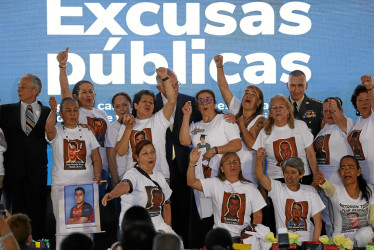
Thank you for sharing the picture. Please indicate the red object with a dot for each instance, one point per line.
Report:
(330, 247)
(275, 246)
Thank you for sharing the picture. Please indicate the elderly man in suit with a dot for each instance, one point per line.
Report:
(177, 157)
(25, 161)
(306, 109)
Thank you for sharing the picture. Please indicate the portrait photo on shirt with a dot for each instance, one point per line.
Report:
(74, 154)
(233, 208)
(354, 216)
(155, 200)
(79, 202)
(99, 128)
(354, 142)
(139, 135)
(321, 146)
(296, 215)
(284, 149)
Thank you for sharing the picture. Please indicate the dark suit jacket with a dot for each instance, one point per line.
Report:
(172, 137)
(26, 156)
(310, 112)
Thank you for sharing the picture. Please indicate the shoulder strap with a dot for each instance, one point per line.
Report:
(148, 177)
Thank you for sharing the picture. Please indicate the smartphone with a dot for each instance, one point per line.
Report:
(2, 210)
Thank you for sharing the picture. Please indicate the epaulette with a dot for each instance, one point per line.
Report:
(315, 100)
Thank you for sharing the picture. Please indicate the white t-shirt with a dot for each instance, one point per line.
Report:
(206, 135)
(3, 147)
(66, 171)
(143, 194)
(247, 157)
(283, 143)
(331, 145)
(305, 202)
(243, 199)
(89, 117)
(346, 209)
(112, 140)
(361, 143)
(152, 129)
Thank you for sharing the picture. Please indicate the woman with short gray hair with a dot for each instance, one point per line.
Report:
(294, 203)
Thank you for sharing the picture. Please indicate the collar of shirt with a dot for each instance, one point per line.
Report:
(299, 102)
(35, 109)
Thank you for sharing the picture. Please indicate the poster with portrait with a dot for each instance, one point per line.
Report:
(354, 142)
(74, 154)
(139, 135)
(233, 208)
(354, 216)
(156, 199)
(79, 208)
(284, 149)
(321, 146)
(99, 128)
(296, 215)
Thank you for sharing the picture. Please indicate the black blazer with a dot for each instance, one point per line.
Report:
(172, 137)
(26, 156)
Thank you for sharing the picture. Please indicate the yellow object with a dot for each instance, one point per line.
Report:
(338, 239)
(242, 246)
(270, 238)
(324, 239)
(37, 244)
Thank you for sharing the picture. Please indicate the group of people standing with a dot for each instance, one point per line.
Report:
(305, 160)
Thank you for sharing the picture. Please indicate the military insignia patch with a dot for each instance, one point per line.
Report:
(309, 114)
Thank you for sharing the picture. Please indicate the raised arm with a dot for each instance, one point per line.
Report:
(50, 128)
(97, 164)
(249, 137)
(222, 82)
(171, 95)
(367, 82)
(62, 59)
(260, 169)
(184, 133)
(338, 115)
(324, 184)
(192, 181)
(122, 146)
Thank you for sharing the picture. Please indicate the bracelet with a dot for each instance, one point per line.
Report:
(369, 89)
(219, 66)
(216, 149)
(165, 78)
(192, 166)
(6, 236)
(61, 67)
(96, 175)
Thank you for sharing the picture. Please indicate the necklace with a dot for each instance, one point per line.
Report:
(79, 130)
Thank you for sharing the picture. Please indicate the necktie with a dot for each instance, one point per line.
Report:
(295, 111)
(30, 122)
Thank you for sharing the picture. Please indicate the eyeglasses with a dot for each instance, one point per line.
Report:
(207, 101)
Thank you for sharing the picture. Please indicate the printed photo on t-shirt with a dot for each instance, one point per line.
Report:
(136, 136)
(284, 149)
(233, 208)
(99, 127)
(354, 142)
(296, 215)
(74, 154)
(354, 216)
(155, 200)
(321, 146)
(79, 204)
